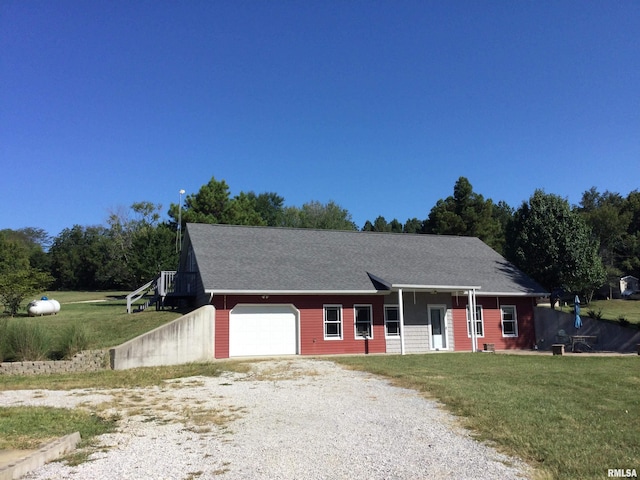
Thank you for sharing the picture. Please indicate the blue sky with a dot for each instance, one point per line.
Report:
(377, 105)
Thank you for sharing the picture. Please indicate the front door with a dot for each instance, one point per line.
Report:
(438, 327)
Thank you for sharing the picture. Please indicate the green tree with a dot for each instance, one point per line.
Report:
(270, 207)
(36, 240)
(314, 214)
(137, 247)
(77, 256)
(413, 225)
(466, 214)
(554, 245)
(630, 263)
(380, 224)
(213, 204)
(18, 279)
(609, 221)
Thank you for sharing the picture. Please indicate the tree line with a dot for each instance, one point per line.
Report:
(576, 248)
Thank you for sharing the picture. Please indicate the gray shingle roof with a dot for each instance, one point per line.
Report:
(262, 259)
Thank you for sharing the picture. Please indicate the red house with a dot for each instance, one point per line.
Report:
(282, 291)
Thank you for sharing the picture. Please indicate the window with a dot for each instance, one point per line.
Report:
(363, 321)
(509, 321)
(333, 322)
(479, 322)
(391, 321)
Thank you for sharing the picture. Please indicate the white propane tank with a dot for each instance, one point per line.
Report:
(43, 307)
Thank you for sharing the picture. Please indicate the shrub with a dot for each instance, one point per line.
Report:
(596, 315)
(74, 339)
(27, 342)
(623, 321)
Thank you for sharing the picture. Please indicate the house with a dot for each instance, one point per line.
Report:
(629, 285)
(279, 291)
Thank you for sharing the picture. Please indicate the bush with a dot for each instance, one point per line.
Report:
(27, 342)
(74, 339)
(596, 315)
(623, 321)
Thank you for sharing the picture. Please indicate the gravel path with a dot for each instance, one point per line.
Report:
(286, 419)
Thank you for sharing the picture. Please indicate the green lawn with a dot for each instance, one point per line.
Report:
(612, 310)
(571, 417)
(106, 320)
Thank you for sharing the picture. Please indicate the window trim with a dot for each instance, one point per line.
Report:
(515, 321)
(481, 321)
(386, 320)
(355, 319)
(340, 322)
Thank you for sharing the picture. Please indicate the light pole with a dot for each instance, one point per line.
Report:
(179, 230)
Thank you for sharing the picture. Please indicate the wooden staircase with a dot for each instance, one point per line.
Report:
(154, 292)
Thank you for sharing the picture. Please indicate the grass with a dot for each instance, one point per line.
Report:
(106, 321)
(136, 377)
(612, 310)
(570, 417)
(27, 428)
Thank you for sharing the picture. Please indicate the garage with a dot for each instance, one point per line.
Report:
(263, 330)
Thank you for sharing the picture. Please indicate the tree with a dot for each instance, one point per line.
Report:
(36, 240)
(606, 216)
(631, 241)
(467, 214)
(413, 225)
(137, 247)
(314, 214)
(270, 207)
(18, 279)
(77, 256)
(213, 204)
(380, 224)
(554, 245)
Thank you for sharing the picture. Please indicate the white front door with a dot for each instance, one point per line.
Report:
(438, 324)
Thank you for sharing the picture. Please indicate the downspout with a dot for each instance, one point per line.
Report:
(401, 315)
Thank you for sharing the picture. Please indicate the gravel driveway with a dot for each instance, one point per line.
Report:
(286, 419)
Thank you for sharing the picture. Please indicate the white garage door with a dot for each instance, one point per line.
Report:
(263, 330)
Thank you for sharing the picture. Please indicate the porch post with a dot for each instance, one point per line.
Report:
(471, 294)
(401, 318)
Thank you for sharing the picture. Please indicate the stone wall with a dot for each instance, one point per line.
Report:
(87, 361)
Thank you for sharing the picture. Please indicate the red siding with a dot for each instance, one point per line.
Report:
(493, 323)
(311, 325)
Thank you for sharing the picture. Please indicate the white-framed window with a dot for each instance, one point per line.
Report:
(391, 321)
(363, 321)
(333, 322)
(479, 322)
(509, 321)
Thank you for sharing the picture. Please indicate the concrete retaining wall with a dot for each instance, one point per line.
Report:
(611, 337)
(87, 361)
(189, 338)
